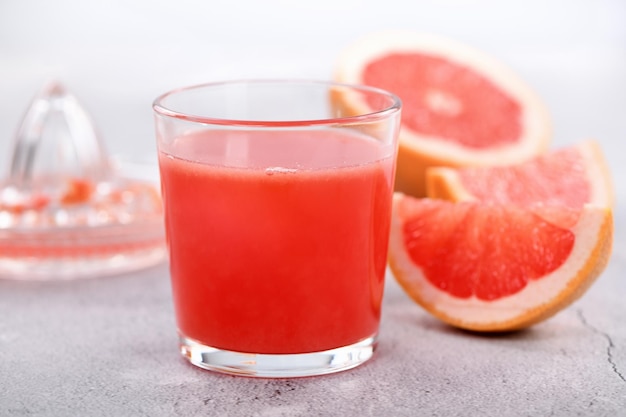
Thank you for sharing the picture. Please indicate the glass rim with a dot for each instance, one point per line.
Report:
(365, 116)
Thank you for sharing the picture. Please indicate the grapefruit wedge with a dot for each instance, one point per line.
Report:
(488, 267)
(461, 107)
(571, 176)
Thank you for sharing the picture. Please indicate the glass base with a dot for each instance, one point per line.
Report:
(278, 365)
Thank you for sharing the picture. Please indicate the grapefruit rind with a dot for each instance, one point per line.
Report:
(598, 174)
(538, 301)
(418, 151)
(446, 183)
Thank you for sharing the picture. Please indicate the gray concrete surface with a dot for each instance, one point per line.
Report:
(107, 347)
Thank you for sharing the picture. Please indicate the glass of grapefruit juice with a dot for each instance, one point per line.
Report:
(277, 210)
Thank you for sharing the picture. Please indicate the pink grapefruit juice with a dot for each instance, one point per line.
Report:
(278, 240)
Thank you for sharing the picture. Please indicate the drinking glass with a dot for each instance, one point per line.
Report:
(277, 198)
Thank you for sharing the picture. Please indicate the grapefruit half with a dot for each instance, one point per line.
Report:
(461, 107)
(572, 176)
(488, 267)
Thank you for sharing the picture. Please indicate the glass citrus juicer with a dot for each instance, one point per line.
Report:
(66, 210)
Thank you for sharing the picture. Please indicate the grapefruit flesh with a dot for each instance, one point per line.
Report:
(571, 176)
(461, 107)
(444, 101)
(489, 267)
